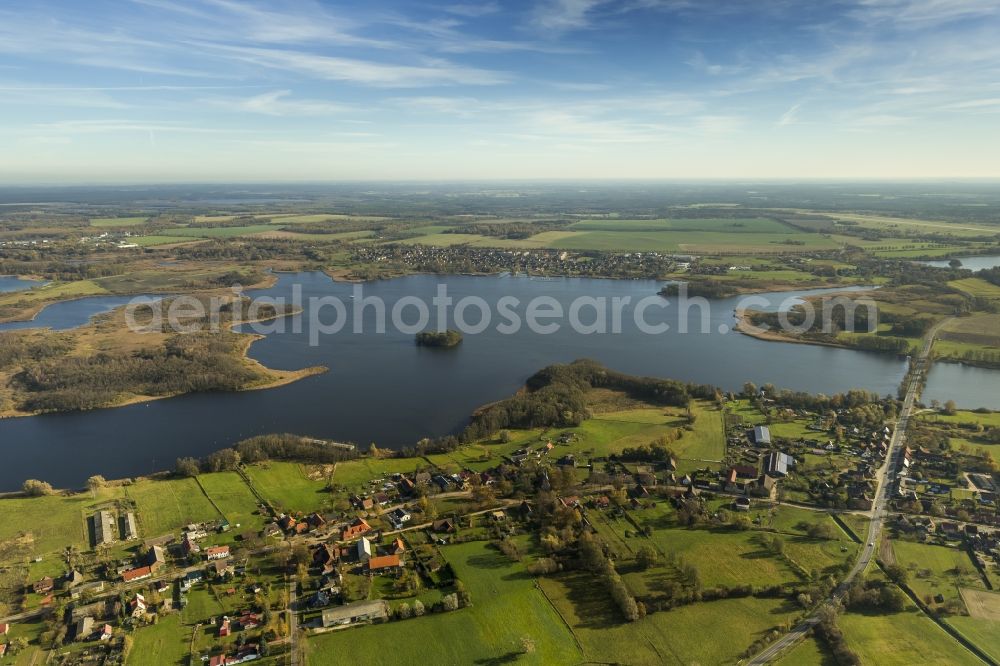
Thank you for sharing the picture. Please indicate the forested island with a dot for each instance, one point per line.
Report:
(445, 339)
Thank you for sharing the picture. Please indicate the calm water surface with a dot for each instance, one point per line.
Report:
(971, 263)
(381, 387)
(10, 283)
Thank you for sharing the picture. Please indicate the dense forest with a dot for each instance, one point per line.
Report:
(556, 397)
(184, 364)
(449, 338)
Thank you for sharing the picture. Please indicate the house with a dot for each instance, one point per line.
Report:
(359, 611)
(367, 503)
(287, 523)
(406, 486)
(191, 579)
(315, 520)
(249, 621)
(156, 558)
(364, 550)
(272, 530)
(217, 552)
(384, 564)
(188, 546)
(399, 516)
(84, 628)
(760, 435)
(43, 586)
(225, 628)
(4, 629)
(126, 524)
(397, 547)
(87, 588)
(106, 632)
(137, 606)
(222, 568)
(498, 516)
(355, 529)
(3, 649)
(444, 525)
(766, 486)
(133, 575)
(73, 579)
(778, 463)
(104, 528)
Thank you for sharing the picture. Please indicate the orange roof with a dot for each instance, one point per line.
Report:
(217, 550)
(383, 562)
(134, 574)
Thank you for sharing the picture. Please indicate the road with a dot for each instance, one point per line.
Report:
(885, 477)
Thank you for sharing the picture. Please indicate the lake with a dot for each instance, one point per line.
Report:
(64, 315)
(970, 387)
(10, 283)
(381, 387)
(970, 263)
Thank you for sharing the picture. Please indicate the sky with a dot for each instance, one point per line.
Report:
(122, 91)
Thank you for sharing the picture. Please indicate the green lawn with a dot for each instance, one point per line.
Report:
(165, 642)
(506, 608)
(164, 506)
(234, 498)
(286, 485)
(905, 638)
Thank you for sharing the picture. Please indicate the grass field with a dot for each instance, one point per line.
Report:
(936, 569)
(117, 221)
(987, 419)
(506, 608)
(984, 633)
(234, 499)
(755, 225)
(165, 642)
(154, 240)
(51, 523)
(54, 291)
(286, 485)
(163, 506)
(686, 635)
(218, 232)
(902, 638)
(355, 474)
(976, 287)
(808, 652)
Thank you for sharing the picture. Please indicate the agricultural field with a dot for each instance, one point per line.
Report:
(166, 505)
(984, 633)
(289, 486)
(218, 232)
(51, 523)
(356, 474)
(233, 498)
(166, 642)
(507, 608)
(976, 287)
(117, 221)
(904, 638)
(809, 652)
(159, 239)
(935, 570)
(680, 636)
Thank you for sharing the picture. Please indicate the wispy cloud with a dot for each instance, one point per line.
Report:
(790, 117)
(278, 103)
(368, 72)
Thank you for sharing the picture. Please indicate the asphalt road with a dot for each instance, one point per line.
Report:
(886, 475)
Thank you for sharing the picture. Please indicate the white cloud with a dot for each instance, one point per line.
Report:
(278, 103)
(790, 117)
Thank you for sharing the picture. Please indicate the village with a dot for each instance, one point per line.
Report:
(393, 540)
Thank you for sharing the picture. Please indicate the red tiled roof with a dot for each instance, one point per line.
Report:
(383, 562)
(135, 574)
